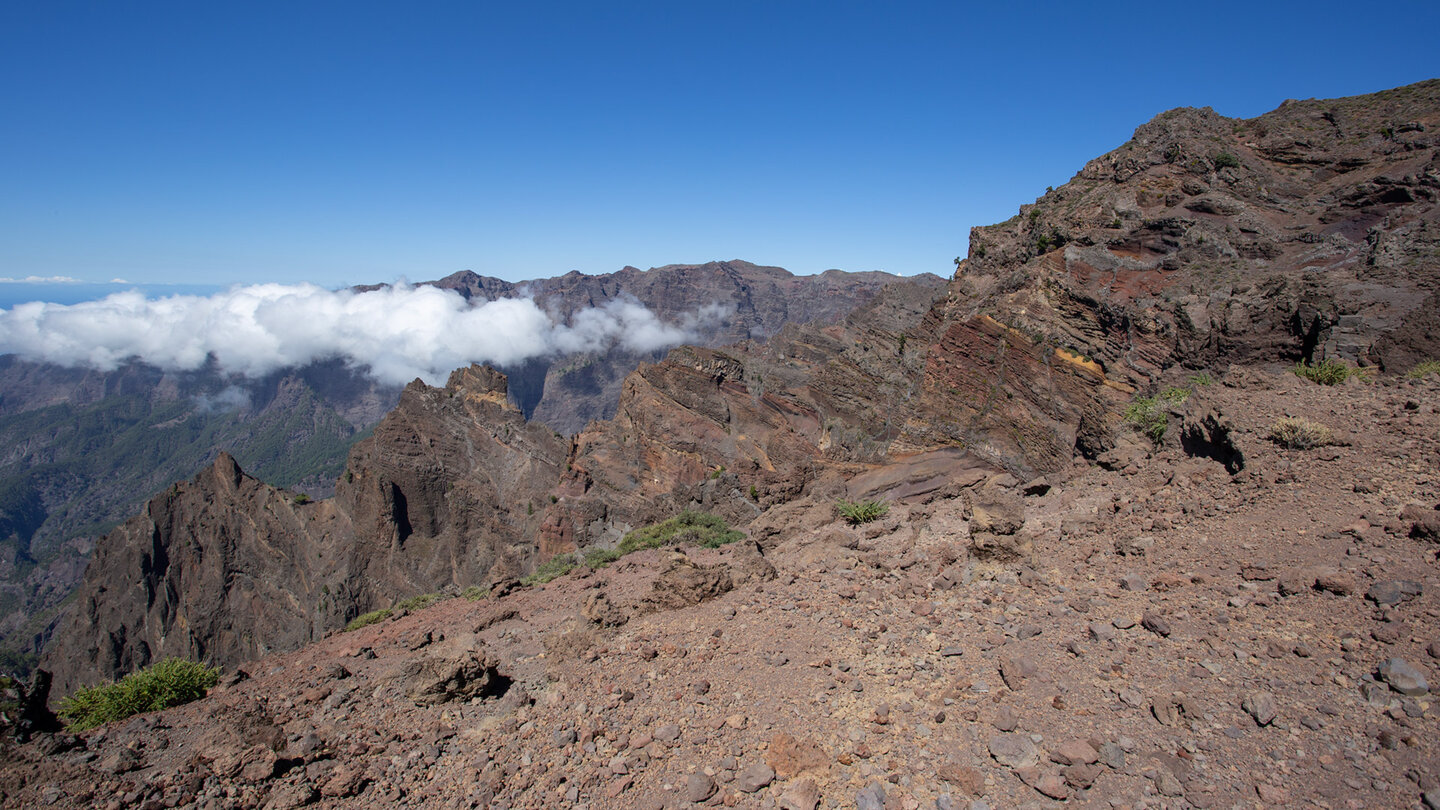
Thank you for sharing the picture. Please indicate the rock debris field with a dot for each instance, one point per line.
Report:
(1187, 625)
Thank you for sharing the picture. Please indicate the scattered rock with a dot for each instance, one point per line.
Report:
(1393, 592)
(433, 680)
(1014, 750)
(698, 787)
(870, 797)
(1261, 707)
(754, 777)
(1404, 677)
(790, 756)
(800, 794)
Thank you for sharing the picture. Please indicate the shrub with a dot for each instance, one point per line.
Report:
(1300, 434)
(1149, 415)
(475, 593)
(553, 568)
(1423, 369)
(169, 683)
(600, 557)
(1327, 372)
(421, 602)
(302, 499)
(857, 512)
(367, 619)
(700, 528)
(1226, 160)
(1201, 379)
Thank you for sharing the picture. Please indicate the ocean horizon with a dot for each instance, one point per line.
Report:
(15, 293)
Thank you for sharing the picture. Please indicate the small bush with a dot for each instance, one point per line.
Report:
(600, 557)
(1149, 415)
(302, 499)
(1300, 434)
(857, 512)
(475, 593)
(1225, 160)
(1201, 380)
(553, 568)
(367, 619)
(169, 683)
(421, 602)
(1423, 369)
(1327, 372)
(700, 528)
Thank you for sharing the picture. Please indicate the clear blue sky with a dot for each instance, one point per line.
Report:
(356, 141)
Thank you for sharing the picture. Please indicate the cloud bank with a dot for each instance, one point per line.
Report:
(398, 333)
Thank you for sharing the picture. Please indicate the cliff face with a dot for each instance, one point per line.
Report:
(1304, 234)
(226, 568)
(1308, 233)
(724, 303)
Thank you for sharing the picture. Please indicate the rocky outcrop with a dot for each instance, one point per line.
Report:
(226, 568)
(1304, 234)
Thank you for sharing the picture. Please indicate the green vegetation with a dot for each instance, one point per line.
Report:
(699, 528)
(367, 619)
(1150, 415)
(475, 593)
(420, 602)
(600, 557)
(1300, 434)
(1226, 160)
(1200, 380)
(1424, 369)
(1328, 371)
(169, 683)
(857, 512)
(302, 499)
(553, 568)
(696, 528)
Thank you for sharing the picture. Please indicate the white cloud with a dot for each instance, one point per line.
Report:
(41, 280)
(398, 332)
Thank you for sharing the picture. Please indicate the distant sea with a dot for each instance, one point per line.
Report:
(21, 293)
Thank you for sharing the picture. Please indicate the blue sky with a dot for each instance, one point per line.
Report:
(358, 141)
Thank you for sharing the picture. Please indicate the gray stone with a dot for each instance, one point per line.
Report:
(1261, 706)
(754, 777)
(871, 797)
(1167, 784)
(1404, 678)
(1113, 756)
(1014, 750)
(1134, 582)
(698, 787)
(1393, 592)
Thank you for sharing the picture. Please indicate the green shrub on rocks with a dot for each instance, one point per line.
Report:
(857, 512)
(169, 683)
(1328, 371)
(367, 619)
(1298, 433)
(1149, 415)
(700, 528)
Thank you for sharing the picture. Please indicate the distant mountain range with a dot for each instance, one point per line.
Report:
(83, 449)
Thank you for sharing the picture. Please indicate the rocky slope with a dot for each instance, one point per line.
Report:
(1175, 636)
